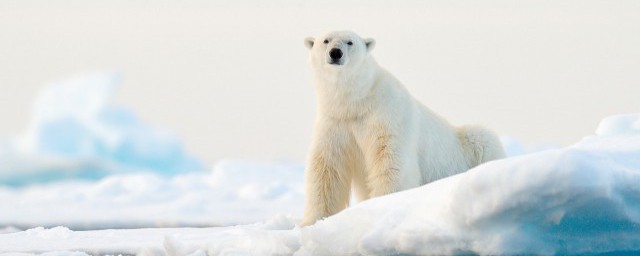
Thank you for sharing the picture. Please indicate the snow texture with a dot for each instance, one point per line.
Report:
(583, 199)
(622, 124)
(77, 131)
(232, 193)
(273, 237)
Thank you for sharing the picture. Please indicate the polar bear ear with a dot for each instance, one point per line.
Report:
(370, 43)
(308, 42)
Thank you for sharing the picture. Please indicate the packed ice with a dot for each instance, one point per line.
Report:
(78, 131)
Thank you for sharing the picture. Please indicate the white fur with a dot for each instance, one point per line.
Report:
(373, 137)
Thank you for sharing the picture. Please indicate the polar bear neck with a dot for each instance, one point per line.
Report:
(346, 94)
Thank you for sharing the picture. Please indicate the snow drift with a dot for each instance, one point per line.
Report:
(77, 131)
(580, 199)
(583, 199)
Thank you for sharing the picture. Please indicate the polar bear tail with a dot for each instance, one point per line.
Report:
(480, 144)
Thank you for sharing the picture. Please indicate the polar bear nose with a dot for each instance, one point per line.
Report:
(335, 53)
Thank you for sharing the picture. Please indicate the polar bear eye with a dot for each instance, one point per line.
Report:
(326, 41)
(350, 43)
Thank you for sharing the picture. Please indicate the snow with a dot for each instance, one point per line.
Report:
(77, 131)
(571, 200)
(619, 125)
(234, 192)
(276, 236)
(582, 199)
(90, 163)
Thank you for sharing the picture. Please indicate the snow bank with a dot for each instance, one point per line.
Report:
(77, 131)
(581, 199)
(233, 193)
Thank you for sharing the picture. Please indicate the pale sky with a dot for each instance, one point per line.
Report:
(232, 79)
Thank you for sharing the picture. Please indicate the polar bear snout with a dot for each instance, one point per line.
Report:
(335, 53)
(336, 56)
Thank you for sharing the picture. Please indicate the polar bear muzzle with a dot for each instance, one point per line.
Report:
(336, 56)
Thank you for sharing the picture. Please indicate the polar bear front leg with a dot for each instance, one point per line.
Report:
(384, 170)
(327, 177)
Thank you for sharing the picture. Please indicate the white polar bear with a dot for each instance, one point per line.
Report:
(371, 135)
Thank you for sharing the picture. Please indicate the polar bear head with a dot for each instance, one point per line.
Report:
(338, 50)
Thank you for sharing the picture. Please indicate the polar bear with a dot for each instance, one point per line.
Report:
(371, 136)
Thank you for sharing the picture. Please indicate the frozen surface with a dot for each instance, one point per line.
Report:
(577, 200)
(583, 199)
(232, 193)
(274, 237)
(622, 124)
(77, 131)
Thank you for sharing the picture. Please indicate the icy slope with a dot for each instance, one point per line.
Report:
(77, 131)
(581, 199)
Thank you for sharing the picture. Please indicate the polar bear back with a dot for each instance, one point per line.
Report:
(441, 152)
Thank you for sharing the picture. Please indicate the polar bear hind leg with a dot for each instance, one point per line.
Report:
(480, 144)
